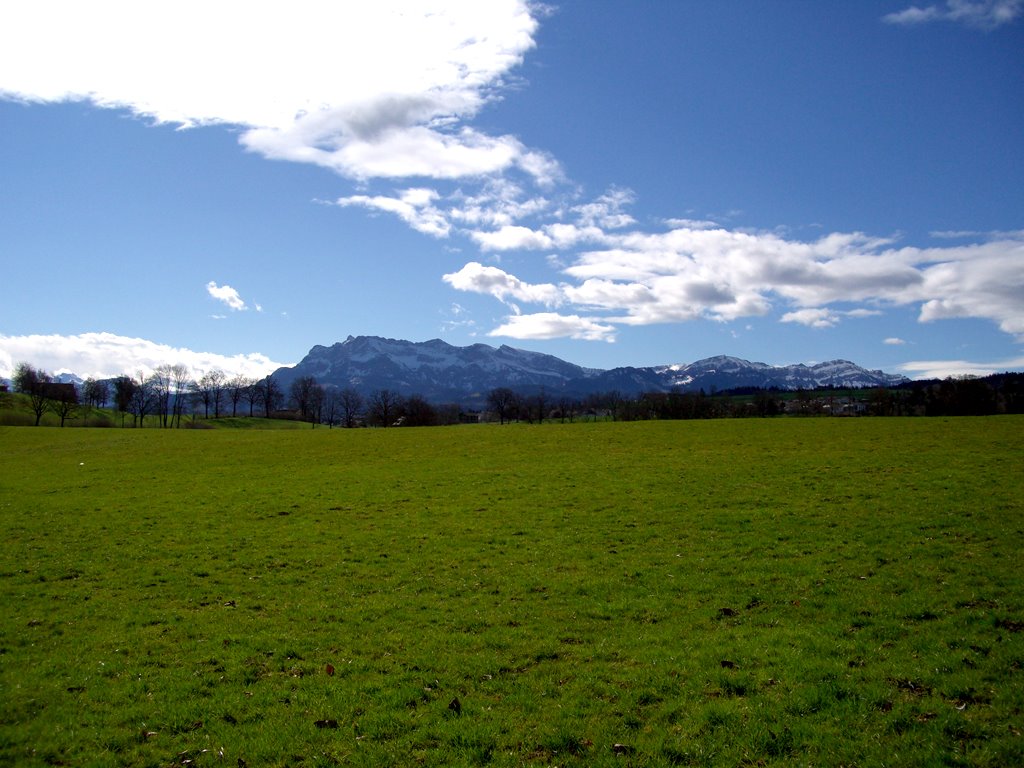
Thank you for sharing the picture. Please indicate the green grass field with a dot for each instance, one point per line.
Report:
(763, 592)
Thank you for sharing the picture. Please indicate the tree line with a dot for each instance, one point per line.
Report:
(170, 392)
(954, 396)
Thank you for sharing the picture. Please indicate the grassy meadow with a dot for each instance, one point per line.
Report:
(763, 592)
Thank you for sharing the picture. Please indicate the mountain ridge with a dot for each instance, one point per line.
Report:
(442, 372)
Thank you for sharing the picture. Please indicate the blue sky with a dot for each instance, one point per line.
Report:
(615, 183)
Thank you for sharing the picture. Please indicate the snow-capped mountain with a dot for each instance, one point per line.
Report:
(441, 372)
(434, 369)
(68, 378)
(723, 372)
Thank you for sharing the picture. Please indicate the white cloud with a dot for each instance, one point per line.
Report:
(550, 325)
(489, 216)
(403, 151)
(981, 14)
(457, 317)
(512, 237)
(413, 206)
(226, 294)
(724, 275)
(503, 204)
(686, 273)
(970, 234)
(499, 203)
(477, 278)
(691, 224)
(941, 369)
(570, 235)
(606, 212)
(103, 355)
(913, 15)
(380, 89)
(894, 341)
(606, 294)
(814, 318)
(983, 281)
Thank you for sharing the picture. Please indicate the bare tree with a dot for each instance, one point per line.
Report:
(210, 391)
(63, 400)
(181, 382)
(124, 388)
(384, 405)
(33, 382)
(217, 381)
(331, 407)
(25, 378)
(448, 414)
(307, 397)
(417, 412)
(566, 409)
(141, 402)
(160, 391)
(613, 401)
(269, 395)
(317, 405)
(504, 402)
(95, 393)
(251, 395)
(201, 394)
(351, 406)
(85, 403)
(535, 407)
(236, 391)
(540, 401)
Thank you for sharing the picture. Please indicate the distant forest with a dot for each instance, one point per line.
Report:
(169, 397)
(961, 396)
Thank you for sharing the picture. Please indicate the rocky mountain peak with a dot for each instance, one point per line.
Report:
(442, 372)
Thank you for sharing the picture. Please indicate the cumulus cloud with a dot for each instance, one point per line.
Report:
(691, 223)
(981, 280)
(498, 203)
(413, 206)
(824, 317)
(226, 294)
(941, 369)
(593, 220)
(606, 212)
(607, 294)
(570, 235)
(970, 234)
(104, 355)
(477, 278)
(815, 318)
(512, 237)
(380, 89)
(981, 14)
(894, 341)
(633, 277)
(550, 325)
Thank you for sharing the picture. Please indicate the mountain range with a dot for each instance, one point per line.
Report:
(443, 373)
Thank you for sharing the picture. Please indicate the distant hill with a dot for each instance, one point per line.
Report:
(442, 373)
